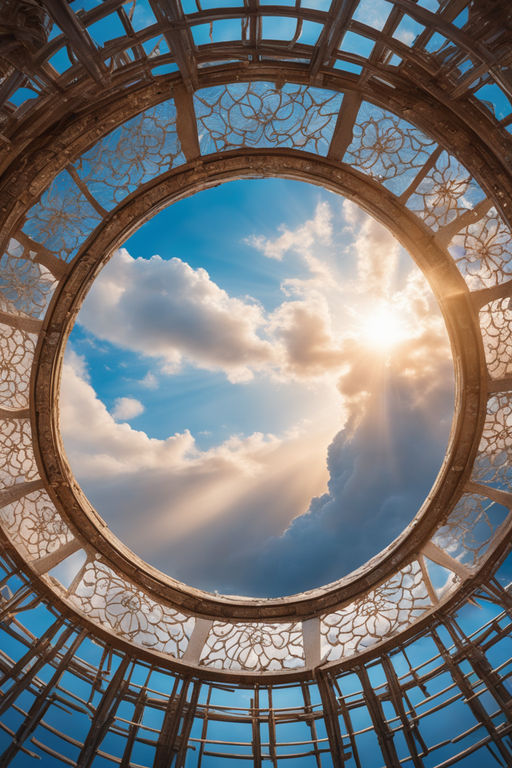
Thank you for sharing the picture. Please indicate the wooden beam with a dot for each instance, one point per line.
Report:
(79, 38)
(179, 38)
(330, 38)
(344, 128)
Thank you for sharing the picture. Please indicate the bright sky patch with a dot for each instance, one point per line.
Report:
(226, 405)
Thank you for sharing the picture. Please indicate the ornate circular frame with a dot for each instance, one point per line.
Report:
(453, 297)
(459, 133)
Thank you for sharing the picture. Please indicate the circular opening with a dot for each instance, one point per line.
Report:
(258, 403)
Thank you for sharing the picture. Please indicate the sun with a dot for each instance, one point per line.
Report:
(383, 327)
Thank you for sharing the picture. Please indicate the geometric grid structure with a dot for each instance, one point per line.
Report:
(111, 111)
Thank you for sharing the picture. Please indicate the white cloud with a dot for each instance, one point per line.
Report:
(126, 408)
(168, 310)
(220, 501)
(315, 234)
(149, 381)
(219, 516)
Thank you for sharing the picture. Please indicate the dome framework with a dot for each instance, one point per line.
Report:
(407, 660)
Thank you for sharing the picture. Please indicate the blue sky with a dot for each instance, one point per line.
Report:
(248, 391)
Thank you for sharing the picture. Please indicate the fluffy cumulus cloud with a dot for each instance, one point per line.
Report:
(268, 514)
(126, 408)
(202, 504)
(167, 309)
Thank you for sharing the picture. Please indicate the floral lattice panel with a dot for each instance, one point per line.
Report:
(25, 287)
(389, 608)
(446, 192)
(17, 460)
(493, 464)
(63, 218)
(254, 647)
(34, 525)
(119, 606)
(496, 323)
(387, 148)
(138, 151)
(470, 528)
(17, 349)
(260, 115)
(483, 251)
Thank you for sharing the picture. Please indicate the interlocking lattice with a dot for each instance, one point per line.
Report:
(251, 647)
(495, 322)
(33, 524)
(382, 612)
(388, 148)
(493, 462)
(483, 251)
(25, 287)
(446, 191)
(17, 461)
(16, 355)
(138, 151)
(62, 219)
(129, 612)
(470, 528)
(261, 115)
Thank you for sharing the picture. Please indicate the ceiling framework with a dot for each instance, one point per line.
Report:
(107, 115)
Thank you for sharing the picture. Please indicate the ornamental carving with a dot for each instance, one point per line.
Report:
(33, 524)
(387, 609)
(494, 459)
(495, 323)
(138, 151)
(387, 148)
(121, 607)
(16, 356)
(254, 647)
(261, 115)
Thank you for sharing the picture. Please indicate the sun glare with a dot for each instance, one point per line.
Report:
(383, 327)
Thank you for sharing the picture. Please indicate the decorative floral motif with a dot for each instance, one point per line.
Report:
(137, 151)
(447, 191)
(388, 148)
(261, 115)
(469, 529)
(483, 251)
(253, 647)
(25, 287)
(16, 356)
(34, 524)
(496, 324)
(129, 612)
(389, 608)
(17, 461)
(493, 464)
(62, 219)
